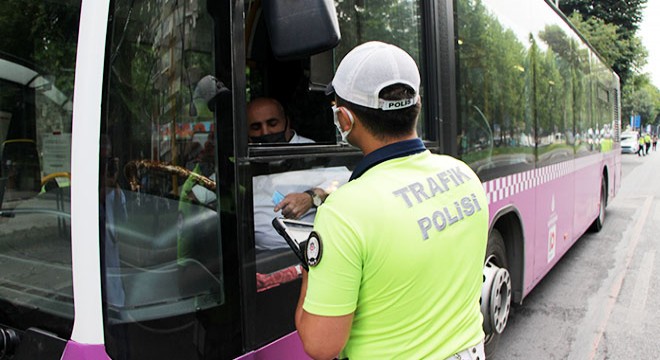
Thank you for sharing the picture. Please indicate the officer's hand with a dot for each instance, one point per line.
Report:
(294, 205)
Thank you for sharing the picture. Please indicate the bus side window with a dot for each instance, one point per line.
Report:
(289, 83)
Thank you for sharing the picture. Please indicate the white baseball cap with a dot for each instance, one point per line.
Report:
(369, 68)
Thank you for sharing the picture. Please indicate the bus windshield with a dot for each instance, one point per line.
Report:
(37, 61)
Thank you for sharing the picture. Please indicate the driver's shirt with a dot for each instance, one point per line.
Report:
(403, 246)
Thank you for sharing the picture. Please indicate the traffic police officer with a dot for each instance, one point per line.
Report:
(396, 255)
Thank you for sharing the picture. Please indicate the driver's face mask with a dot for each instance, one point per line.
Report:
(279, 137)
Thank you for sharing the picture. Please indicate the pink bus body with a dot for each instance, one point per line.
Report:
(132, 197)
(562, 195)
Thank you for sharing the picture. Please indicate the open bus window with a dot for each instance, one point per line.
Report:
(287, 82)
(283, 169)
(302, 114)
(282, 109)
(294, 91)
(272, 252)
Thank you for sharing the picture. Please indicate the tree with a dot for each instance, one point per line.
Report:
(641, 97)
(602, 36)
(597, 19)
(42, 37)
(610, 26)
(392, 22)
(626, 14)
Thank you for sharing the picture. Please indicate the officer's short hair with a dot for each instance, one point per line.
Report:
(387, 123)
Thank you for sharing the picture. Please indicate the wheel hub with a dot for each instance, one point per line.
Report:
(495, 298)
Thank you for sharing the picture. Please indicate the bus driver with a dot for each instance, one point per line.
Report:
(268, 123)
(295, 193)
(396, 256)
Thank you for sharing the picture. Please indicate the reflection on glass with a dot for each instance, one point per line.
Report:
(160, 208)
(37, 59)
(396, 22)
(532, 89)
(495, 88)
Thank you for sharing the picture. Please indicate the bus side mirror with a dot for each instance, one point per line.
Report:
(300, 28)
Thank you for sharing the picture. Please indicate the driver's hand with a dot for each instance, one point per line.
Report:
(294, 205)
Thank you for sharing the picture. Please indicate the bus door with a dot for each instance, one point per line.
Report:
(180, 279)
(167, 194)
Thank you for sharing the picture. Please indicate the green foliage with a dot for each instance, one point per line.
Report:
(42, 37)
(601, 36)
(623, 53)
(610, 26)
(527, 89)
(625, 14)
(394, 22)
(643, 98)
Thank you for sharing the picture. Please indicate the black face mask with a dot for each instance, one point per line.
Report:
(279, 137)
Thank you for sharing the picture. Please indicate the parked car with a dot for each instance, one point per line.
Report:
(629, 142)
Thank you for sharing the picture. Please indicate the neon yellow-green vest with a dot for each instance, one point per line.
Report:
(403, 249)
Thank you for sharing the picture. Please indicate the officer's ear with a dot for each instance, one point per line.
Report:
(346, 118)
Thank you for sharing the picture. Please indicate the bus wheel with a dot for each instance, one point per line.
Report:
(600, 219)
(495, 291)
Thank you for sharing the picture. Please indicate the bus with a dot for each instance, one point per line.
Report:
(133, 202)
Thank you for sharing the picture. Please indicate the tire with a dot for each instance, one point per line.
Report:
(496, 291)
(600, 219)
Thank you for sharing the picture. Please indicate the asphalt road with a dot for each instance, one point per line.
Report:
(601, 300)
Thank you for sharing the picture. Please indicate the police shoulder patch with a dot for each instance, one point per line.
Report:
(314, 249)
